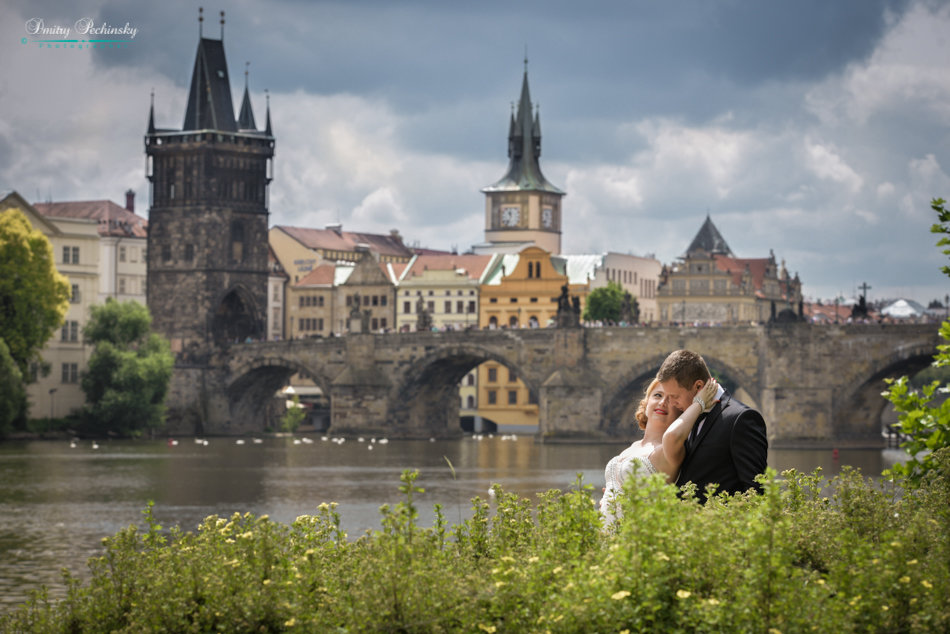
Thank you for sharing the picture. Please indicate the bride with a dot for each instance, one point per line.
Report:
(662, 448)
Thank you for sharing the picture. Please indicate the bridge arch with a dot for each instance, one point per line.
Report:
(250, 394)
(427, 397)
(859, 410)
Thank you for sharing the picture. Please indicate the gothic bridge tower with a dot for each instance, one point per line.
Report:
(207, 239)
(523, 207)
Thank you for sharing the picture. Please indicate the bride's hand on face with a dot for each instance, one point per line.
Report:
(706, 396)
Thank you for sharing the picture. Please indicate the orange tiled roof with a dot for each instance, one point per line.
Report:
(320, 276)
(113, 219)
(331, 240)
(473, 265)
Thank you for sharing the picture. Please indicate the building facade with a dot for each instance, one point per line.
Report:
(207, 243)
(123, 242)
(76, 249)
(639, 275)
(710, 285)
(445, 286)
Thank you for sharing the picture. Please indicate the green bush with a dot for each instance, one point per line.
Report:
(805, 555)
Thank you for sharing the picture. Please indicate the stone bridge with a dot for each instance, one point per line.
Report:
(815, 385)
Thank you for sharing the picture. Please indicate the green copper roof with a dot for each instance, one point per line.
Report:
(524, 149)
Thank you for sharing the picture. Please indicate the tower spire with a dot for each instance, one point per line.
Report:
(246, 117)
(267, 130)
(151, 114)
(201, 19)
(222, 25)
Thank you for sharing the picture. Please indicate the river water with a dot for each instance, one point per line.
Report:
(58, 501)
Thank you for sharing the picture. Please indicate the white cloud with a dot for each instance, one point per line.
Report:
(827, 164)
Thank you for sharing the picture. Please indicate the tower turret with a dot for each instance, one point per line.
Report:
(207, 243)
(523, 207)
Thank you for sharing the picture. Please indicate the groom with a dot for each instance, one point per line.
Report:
(728, 445)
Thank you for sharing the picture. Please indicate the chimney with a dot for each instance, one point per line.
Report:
(130, 200)
(336, 228)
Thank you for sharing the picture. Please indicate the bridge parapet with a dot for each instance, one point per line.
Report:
(813, 384)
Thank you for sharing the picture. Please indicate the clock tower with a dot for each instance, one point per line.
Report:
(523, 207)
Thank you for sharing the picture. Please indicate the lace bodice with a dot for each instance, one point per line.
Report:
(616, 473)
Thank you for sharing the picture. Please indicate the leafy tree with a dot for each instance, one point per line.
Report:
(12, 394)
(34, 296)
(604, 303)
(294, 416)
(129, 371)
(923, 417)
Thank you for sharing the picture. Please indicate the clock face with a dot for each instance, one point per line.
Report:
(547, 217)
(510, 216)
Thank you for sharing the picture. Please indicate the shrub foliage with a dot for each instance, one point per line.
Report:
(806, 555)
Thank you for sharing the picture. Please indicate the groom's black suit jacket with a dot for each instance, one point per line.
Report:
(730, 449)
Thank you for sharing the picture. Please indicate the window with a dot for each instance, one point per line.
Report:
(166, 253)
(471, 307)
(70, 373)
(134, 254)
(122, 285)
(189, 252)
(492, 397)
(512, 397)
(121, 254)
(406, 308)
(512, 376)
(470, 402)
(470, 379)
(375, 324)
(383, 300)
(492, 375)
(460, 307)
(75, 296)
(493, 300)
(375, 300)
(448, 307)
(70, 331)
(431, 307)
(70, 255)
(382, 323)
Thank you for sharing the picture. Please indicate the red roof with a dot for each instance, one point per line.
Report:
(113, 219)
(333, 240)
(320, 276)
(473, 265)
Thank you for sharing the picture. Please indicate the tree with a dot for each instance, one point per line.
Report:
(294, 416)
(604, 303)
(923, 417)
(34, 296)
(12, 394)
(129, 371)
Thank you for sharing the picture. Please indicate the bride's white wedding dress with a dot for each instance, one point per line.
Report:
(618, 470)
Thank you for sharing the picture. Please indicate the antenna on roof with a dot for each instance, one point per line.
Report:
(526, 58)
(247, 65)
(222, 26)
(201, 19)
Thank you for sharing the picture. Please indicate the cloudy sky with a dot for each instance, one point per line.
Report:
(819, 130)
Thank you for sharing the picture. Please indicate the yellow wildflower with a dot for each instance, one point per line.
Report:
(926, 584)
(486, 628)
(683, 594)
(904, 579)
(622, 594)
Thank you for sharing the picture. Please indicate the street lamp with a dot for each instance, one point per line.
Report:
(52, 391)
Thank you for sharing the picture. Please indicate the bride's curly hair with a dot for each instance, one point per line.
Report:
(641, 414)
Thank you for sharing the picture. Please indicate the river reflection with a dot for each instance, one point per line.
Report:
(58, 502)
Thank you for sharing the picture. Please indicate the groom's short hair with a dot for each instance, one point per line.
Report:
(685, 366)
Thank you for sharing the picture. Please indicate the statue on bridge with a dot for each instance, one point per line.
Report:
(629, 309)
(568, 310)
(423, 317)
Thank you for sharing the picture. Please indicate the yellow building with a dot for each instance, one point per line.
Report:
(709, 285)
(76, 251)
(522, 291)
